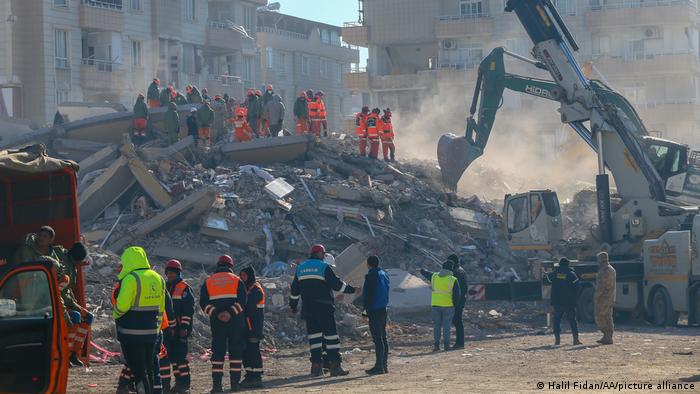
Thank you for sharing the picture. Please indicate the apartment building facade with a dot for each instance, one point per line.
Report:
(109, 50)
(646, 49)
(298, 54)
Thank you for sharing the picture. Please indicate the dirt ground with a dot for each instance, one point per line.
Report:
(511, 362)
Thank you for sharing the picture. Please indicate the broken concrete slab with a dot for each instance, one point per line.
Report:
(235, 237)
(187, 255)
(476, 222)
(76, 150)
(153, 154)
(340, 192)
(351, 266)
(98, 160)
(278, 188)
(267, 150)
(149, 183)
(408, 293)
(106, 189)
(178, 215)
(345, 211)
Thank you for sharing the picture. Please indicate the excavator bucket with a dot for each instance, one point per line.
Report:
(455, 154)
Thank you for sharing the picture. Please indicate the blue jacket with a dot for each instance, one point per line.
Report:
(314, 283)
(376, 290)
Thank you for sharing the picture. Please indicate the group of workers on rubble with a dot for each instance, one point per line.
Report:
(259, 115)
(371, 128)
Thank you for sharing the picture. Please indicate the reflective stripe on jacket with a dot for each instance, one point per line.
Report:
(442, 290)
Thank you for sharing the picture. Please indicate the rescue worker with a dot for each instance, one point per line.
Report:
(361, 129)
(165, 96)
(301, 112)
(445, 295)
(262, 126)
(254, 106)
(140, 117)
(604, 298)
(461, 276)
(58, 119)
(314, 283)
(183, 309)
(242, 131)
(138, 313)
(180, 98)
(322, 116)
(205, 95)
(153, 94)
(269, 93)
(193, 125)
(314, 117)
(375, 300)
(193, 95)
(386, 135)
(274, 114)
(565, 284)
(222, 298)
(172, 123)
(373, 127)
(255, 315)
(40, 247)
(205, 118)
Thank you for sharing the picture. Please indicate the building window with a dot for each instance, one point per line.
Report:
(335, 38)
(60, 3)
(61, 96)
(323, 65)
(636, 93)
(268, 57)
(634, 50)
(565, 7)
(136, 5)
(61, 48)
(281, 61)
(248, 15)
(601, 45)
(325, 36)
(136, 53)
(190, 8)
(471, 8)
(305, 65)
(338, 71)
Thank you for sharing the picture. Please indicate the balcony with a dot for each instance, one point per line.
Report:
(221, 35)
(648, 64)
(638, 13)
(355, 34)
(401, 82)
(220, 84)
(357, 80)
(296, 42)
(105, 15)
(463, 75)
(669, 111)
(101, 75)
(454, 26)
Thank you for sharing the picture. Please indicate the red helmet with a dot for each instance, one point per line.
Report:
(268, 87)
(174, 265)
(225, 260)
(258, 92)
(157, 81)
(318, 248)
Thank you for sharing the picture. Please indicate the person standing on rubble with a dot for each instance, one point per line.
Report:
(205, 118)
(446, 293)
(254, 112)
(565, 286)
(604, 298)
(183, 309)
(193, 95)
(321, 117)
(301, 112)
(193, 125)
(153, 94)
(166, 95)
(255, 316)
(373, 126)
(172, 123)
(375, 296)
(361, 129)
(461, 276)
(222, 298)
(386, 135)
(274, 114)
(138, 313)
(314, 283)
(140, 117)
(205, 95)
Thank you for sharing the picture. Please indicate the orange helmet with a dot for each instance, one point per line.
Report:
(268, 87)
(157, 81)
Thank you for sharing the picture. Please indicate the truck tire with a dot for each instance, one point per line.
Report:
(694, 308)
(661, 309)
(584, 305)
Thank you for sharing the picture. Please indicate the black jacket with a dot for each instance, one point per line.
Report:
(183, 303)
(456, 291)
(565, 285)
(301, 108)
(192, 126)
(255, 311)
(461, 276)
(314, 282)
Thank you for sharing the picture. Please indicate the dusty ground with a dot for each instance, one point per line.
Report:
(491, 363)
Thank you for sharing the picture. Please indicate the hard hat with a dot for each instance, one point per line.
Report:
(365, 109)
(140, 95)
(320, 93)
(157, 81)
(173, 265)
(376, 110)
(268, 87)
(302, 94)
(318, 248)
(217, 97)
(193, 109)
(205, 90)
(309, 92)
(225, 260)
(188, 88)
(258, 92)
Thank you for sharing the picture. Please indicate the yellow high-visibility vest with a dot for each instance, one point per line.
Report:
(442, 287)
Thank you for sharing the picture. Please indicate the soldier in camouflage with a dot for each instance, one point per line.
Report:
(604, 298)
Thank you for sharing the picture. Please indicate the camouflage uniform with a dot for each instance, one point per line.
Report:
(604, 298)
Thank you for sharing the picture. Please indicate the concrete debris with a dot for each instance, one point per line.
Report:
(269, 150)
(409, 294)
(97, 160)
(278, 189)
(106, 189)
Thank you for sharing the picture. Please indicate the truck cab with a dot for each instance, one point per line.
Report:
(35, 190)
(532, 220)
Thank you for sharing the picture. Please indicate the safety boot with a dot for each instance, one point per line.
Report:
(123, 390)
(606, 339)
(436, 348)
(557, 340)
(75, 361)
(337, 369)
(316, 369)
(252, 382)
(576, 341)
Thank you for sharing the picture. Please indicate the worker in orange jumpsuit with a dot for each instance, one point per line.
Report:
(321, 109)
(386, 135)
(314, 124)
(263, 129)
(222, 298)
(301, 112)
(241, 129)
(374, 124)
(154, 94)
(361, 129)
(140, 117)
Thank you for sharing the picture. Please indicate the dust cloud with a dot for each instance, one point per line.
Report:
(528, 148)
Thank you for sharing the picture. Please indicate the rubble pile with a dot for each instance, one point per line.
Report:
(179, 202)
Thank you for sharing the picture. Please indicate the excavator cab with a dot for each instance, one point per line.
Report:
(670, 159)
(532, 220)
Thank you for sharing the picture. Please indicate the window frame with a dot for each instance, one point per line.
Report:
(190, 10)
(136, 56)
(62, 63)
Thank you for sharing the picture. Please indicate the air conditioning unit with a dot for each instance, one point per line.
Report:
(653, 32)
(448, 44)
